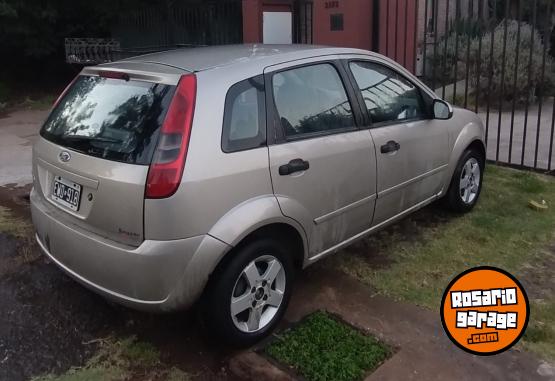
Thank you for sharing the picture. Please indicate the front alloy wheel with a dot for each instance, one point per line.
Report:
(466, 184)
(469, 183)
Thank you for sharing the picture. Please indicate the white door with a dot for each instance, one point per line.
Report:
(277, 28)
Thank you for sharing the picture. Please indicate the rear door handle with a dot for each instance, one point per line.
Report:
(295, 165)
(390, 146)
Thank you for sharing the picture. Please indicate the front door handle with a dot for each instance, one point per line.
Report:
(390, 146)
(295, 165)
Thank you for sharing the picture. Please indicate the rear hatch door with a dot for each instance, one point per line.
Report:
(92, 160)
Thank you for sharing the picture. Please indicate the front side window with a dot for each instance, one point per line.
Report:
(311, 100)
(244, 120)
(388, 96)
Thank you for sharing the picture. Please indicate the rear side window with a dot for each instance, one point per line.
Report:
(388, 96)
(311, 100)
(110, 118)
(244, 116)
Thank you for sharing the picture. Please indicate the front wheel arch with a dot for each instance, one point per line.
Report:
(478, 146)
(452, 199)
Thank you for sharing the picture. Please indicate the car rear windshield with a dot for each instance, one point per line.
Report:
(110, 118)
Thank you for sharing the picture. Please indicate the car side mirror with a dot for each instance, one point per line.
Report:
(442, 109)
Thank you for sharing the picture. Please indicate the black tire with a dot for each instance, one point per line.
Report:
(216, 310)
(453, 199)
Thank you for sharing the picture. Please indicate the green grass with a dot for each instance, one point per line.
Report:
(540, 334)
(119, 360)
(321, 348)
(24, 232)
(9, 224)
(501, 231)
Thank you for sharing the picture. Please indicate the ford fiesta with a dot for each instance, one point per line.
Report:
(216, 174)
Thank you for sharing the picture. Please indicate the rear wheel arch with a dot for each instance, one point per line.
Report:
(279, 241)
(283, 233)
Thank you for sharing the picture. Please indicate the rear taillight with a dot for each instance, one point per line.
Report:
(166, 169)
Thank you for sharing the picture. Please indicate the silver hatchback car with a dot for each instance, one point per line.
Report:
(221, 171)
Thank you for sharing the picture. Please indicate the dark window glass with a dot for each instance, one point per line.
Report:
(311, 99)
(388, 95)
(110, 118)
(336, 22)
(244, 119)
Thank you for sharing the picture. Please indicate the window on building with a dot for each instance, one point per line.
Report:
(336, 22)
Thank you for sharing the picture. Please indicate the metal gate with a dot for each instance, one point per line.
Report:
(185, 23)
(495, 57)
(302, 22)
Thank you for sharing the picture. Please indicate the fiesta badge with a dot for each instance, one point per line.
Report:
(485, 310)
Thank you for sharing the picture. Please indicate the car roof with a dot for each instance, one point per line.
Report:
(209, 57)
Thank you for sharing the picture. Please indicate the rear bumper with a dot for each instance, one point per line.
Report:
(156, 276)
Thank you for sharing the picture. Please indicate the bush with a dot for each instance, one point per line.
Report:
(449, 51)
(441, 64)
(515, 79)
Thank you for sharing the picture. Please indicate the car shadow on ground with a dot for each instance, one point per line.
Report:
(49, 323)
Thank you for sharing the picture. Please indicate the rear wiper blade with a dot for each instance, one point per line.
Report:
(92, 139)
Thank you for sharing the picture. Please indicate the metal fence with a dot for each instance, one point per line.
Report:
(495, 57)
(85, 51)
(302, 22)
(154, 28)
(180, 23)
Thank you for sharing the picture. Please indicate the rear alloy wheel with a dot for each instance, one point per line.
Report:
(258, 294)
(466, 183)
(249, 292)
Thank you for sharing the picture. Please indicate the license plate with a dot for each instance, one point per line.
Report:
(66, 193)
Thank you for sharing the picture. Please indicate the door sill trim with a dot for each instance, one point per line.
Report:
(366, 232)
(411, 181)
(344, 209)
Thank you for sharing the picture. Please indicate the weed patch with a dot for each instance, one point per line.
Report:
(322, 348)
